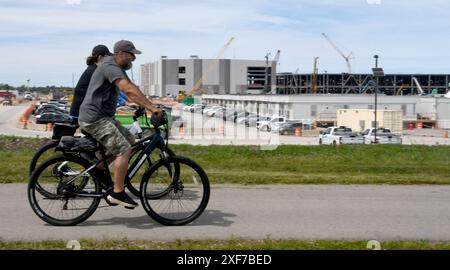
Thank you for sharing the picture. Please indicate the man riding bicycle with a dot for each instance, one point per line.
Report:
(98, 109)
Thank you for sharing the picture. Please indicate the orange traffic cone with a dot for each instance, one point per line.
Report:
(221, 130)
(181, 131)
(49, 127)
(25, 122)
(298, 131)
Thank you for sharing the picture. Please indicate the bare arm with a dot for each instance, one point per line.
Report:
(135, 95)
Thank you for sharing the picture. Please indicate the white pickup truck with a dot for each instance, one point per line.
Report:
(384, 136)
(340, 135)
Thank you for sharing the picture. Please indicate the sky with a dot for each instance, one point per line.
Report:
(47, 41)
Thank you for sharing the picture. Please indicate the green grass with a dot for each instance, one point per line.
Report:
(287, 164)
(231, 244)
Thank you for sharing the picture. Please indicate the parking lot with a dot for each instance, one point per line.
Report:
(200, 129)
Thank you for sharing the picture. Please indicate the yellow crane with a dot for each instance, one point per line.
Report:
(209, 69)
(183, 94)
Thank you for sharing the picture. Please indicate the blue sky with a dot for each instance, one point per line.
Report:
(48, 40)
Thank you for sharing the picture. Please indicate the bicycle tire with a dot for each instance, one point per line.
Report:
(44, 148)
(183, 166)
(42, 214)
(129, 185)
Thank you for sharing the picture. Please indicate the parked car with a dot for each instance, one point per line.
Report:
(265, 124)
(212, 112)
(239, 115)
(47, 106)
(52, 118)
(287, 127)
(340, 135)
(231, 114)
(195, 108)
(384, 136)
(241, 120)
(251, 121)
(207, 109)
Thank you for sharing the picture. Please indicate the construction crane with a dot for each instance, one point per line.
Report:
(210, 67)
(183, 94)
(277, 56)
(347, 58)
(314, 76)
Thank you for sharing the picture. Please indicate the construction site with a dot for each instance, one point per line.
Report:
(257, 87)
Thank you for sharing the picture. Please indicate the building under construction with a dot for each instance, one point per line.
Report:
(208, 76)
(343, 83)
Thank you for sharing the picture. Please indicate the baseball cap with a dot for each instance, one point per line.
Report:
(125, 46)
(100, 50)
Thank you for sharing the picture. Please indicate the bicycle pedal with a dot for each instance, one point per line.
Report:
(131, 208)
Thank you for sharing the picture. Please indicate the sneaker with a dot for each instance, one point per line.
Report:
(122, 198)
(106, 198)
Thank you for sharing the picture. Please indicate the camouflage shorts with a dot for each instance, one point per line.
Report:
(111, 134)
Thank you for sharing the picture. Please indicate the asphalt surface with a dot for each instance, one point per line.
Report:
(339, 212)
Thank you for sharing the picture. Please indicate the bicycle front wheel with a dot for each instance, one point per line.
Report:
(71, 195)
(187, 195)
(133, 186)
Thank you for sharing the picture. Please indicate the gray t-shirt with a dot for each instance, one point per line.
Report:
(102, 94)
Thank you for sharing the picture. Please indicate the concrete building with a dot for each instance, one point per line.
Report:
(218, 76)
(431, 111)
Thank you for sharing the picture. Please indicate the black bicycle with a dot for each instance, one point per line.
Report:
(68, 129)
(173, 191)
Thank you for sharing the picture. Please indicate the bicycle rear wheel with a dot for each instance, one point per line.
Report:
(64, 204)
(42, 154)
(187, 194)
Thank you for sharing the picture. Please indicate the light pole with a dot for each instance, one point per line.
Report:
(266, 81)
(377, 72)
(376, 99)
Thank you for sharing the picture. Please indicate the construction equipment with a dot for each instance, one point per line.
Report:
(347, 58)
(314, 77)
(210, 67)
(401, 88)
(418, 85)
(277, 56)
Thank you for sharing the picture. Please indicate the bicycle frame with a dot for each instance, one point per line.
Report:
(152, 142)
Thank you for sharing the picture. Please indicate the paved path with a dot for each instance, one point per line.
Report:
(363, 212)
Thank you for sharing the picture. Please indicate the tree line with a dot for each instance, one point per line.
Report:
(41, 89)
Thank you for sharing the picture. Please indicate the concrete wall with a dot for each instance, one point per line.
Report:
(360, 119)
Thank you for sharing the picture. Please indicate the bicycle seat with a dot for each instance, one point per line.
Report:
(63, 129)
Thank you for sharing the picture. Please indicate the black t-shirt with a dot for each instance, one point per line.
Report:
(81, 89)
